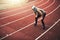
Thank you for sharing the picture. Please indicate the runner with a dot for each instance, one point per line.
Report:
(39, 13)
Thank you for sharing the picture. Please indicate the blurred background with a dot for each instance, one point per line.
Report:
(5, 4)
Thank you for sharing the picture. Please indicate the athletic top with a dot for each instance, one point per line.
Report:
(39, 11)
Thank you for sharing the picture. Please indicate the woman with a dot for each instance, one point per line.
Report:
(39, 13)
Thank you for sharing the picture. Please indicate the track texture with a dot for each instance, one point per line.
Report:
(18, 23)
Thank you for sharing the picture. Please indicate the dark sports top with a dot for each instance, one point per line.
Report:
(42, 12)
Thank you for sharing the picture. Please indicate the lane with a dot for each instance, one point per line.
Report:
(16, 18)
(31, 30)
(53, 34)
(24, 30)
(19, 10)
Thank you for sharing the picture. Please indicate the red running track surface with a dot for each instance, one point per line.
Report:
(20, 26)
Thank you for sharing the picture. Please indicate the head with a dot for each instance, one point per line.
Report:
(33, 7)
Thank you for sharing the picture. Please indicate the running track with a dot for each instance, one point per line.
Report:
(18, 23)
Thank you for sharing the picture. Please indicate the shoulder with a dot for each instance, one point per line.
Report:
(42, 10)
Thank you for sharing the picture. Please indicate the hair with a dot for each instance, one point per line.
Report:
(33, 7)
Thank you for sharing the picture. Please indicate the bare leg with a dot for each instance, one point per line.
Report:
(36, 19)
(43, 24)
(42, 21)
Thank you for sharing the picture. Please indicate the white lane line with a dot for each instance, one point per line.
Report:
(26, 26)
(22, 11)
(47, 29)
(53, 11)
(30, 3)
(20, 18)
(50, 5)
